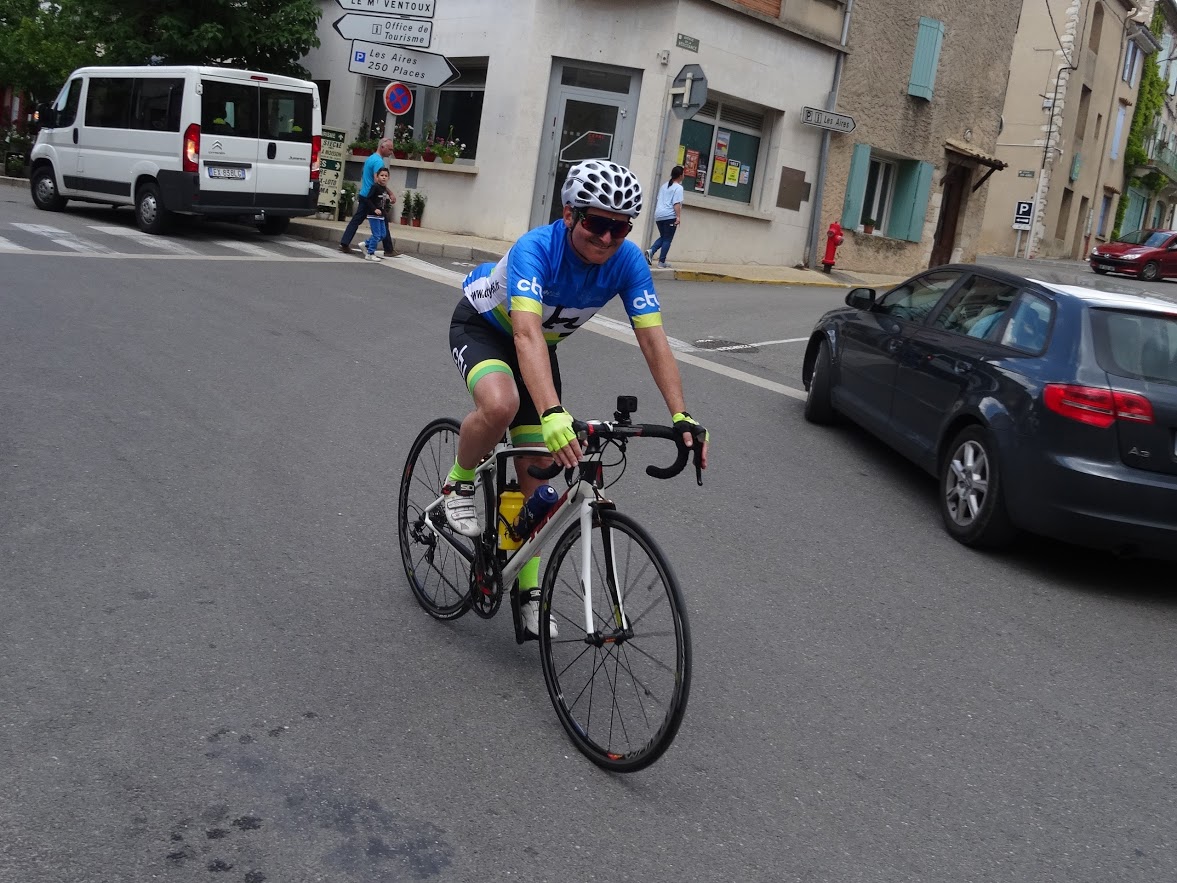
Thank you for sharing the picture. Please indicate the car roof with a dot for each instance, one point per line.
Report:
(1161, 302)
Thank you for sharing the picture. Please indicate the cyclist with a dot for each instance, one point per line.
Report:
(513, 313)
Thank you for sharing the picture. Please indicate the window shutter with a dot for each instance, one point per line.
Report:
(1115, 153)
(856, 186)
(927, 57)
(910, 206)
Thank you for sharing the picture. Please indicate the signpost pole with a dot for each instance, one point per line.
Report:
(647, 236)
(1018, 246)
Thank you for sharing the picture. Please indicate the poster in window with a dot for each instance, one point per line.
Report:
(681, 148)
(721, 142)
(690, 164)
(701, 178)
(733, 173)
(745, 172)
(719, 171)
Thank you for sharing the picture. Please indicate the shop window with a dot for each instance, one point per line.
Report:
(891, 191)
(719, 150)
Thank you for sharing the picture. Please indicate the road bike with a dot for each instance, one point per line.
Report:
(614, 641)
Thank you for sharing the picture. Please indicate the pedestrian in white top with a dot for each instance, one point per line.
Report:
(667, 214)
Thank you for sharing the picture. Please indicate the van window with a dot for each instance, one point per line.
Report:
(286, 116)
(108, 102)
(66, 104)
(156, 106)
(229, 109)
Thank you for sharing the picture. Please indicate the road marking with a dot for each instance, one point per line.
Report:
(82, 245)
(617, 331)
(145, 239)
(247, 247)
(303, 245)
(9, 245)
(746, 346)
(41, 229)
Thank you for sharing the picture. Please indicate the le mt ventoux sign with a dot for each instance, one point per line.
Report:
(415, 8)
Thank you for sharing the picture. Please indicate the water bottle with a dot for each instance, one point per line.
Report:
(510, 506)
(538, 505)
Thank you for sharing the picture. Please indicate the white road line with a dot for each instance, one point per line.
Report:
(169, 257)
(8, 245)
(83, 245)
(614, 329)
(247, 247)
(303, 245)
(40, 229)
(145, 239)
(744, 346)
(675, 344)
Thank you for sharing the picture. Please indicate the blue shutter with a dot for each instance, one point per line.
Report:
(909, 208)
(856, 187)
(1119, 131)
(927, 57)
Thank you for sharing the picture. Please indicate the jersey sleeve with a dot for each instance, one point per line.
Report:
(638, 295)
(526, 267)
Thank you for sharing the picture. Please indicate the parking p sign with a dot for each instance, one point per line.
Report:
(1023, 215)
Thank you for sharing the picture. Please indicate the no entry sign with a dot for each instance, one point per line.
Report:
(398, 99)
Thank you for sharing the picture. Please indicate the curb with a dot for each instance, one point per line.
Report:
(321, 233)
(21, 183)
(704, 276)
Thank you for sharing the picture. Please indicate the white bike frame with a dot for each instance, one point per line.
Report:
(575, 503)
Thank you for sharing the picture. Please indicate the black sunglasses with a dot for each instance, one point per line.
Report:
(599, 225)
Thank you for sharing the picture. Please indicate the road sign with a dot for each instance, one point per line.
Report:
(394, 63)
(385, 29)
(415, 8)
(689, 92)
(398, 99)
(1023, 215)
(825, 119)
(331, 168)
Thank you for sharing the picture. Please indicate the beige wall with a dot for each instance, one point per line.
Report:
(965, 106)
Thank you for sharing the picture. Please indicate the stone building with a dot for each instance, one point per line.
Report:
(924, 81)
(1158, 206)
(1074, 76)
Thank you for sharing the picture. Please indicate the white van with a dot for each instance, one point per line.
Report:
(182, 140)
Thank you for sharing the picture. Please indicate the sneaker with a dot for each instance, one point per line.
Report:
(372, 256)
(662, 266)
(461, 511)
(393, 254)
(649, 255)
(529, 612)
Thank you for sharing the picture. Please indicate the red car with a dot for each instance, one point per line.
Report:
(1149, 254)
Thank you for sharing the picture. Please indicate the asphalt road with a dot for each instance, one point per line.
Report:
(211, 667)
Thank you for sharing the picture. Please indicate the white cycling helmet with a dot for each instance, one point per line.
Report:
(597, 183)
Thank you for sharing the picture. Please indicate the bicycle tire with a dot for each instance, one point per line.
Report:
(648, 695)
(438, 576)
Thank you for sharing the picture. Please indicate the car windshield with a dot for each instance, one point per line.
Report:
(1152, 239)
(1139, 345)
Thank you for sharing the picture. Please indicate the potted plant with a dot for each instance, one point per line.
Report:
(347, 198)
(427, 148)
(363, 146)
(868, 226)
(402, 141)
(418, 207)
(448, 148)
(406, 207)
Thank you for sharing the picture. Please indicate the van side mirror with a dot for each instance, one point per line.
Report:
(861, 298)
(46, 116)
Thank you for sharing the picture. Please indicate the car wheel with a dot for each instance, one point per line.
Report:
(150, 214)
(972, 498)
(1150, 272)
(44, 188)
(274, 226)
(818, 406)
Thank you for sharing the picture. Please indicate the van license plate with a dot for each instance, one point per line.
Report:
(223, 172)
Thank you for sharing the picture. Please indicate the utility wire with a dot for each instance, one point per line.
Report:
(1054, 27)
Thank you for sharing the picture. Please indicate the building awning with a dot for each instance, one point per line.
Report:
(965, 149)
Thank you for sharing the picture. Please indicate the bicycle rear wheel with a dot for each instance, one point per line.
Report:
(439, 576)
(619, 693)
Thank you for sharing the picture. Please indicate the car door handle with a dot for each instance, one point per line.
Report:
(956, 366)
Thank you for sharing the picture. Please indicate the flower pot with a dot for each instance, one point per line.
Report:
(429, 156)
(416, 222)
(868, 230)
(360, 151)
(404, 222)
(400, 154)
(448, 160)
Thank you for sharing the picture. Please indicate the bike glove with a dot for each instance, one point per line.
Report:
(557, 428)
(684, 422)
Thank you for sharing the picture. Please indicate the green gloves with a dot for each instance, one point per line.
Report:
(557, 427)
(684, 422)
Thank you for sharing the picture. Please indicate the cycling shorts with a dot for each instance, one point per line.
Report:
(478, 349)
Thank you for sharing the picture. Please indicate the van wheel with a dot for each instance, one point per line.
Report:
(44, 187)
(274, 226)
(150, 214)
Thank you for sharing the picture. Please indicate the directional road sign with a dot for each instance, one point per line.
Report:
(824, 119)
(406, 65)
(385, 29)
(415, 8)
(1023, 215)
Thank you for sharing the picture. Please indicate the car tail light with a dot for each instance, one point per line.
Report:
(1097, 405)
(316, 148)
(191, 157)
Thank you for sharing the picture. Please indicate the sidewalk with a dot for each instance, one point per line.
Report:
(422, 240)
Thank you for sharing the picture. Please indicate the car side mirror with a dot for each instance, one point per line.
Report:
(861, 298)
(46, 116)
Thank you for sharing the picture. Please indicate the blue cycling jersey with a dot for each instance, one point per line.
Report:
(542, 274)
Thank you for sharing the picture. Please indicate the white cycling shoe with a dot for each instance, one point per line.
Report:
(529, 613)
(461, 510)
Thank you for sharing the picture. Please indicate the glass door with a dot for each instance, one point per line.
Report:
(587, 131)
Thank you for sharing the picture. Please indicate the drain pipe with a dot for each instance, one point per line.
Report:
(819, 185)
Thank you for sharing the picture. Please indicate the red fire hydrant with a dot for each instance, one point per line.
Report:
(833, 240)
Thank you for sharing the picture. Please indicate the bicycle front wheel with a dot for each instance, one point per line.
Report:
(619, 689)
(439, 576)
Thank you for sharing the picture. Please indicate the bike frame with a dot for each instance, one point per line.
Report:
(578, 502)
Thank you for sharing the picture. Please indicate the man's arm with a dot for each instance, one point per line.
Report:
(664, 369)
(536, 368)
